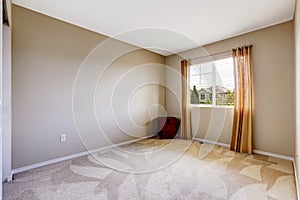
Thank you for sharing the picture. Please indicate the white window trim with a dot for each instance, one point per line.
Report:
(209, 106)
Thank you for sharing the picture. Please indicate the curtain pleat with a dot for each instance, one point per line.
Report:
(185, 132)
(241, 140)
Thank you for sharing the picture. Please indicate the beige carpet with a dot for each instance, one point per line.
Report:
(158, 169)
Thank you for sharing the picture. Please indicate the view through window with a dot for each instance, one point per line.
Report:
(212, 83)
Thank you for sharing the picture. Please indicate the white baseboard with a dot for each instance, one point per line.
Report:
(211, 142)
(254, 150)
(273, 155)
(49, 162)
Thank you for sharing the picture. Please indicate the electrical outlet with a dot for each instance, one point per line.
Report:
(63, 137)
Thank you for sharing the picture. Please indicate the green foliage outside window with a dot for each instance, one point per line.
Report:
(196, 93)
(225, 99)
(222, 98)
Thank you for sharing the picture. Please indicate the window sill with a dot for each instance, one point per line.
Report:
(208, 106)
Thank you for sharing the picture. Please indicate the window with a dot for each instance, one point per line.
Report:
(212, 83)
(203, 97)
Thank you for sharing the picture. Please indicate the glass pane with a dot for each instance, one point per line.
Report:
(224, 82)
(201, 82)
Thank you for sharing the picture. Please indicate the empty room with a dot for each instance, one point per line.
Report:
(150, 99)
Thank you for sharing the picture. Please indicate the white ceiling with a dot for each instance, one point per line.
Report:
(167, 26)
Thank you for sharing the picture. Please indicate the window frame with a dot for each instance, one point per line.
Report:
(206, 59)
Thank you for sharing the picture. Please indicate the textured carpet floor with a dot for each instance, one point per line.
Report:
(159, 169)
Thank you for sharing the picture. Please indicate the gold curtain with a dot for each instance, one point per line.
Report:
(185, 132)
(241, 140)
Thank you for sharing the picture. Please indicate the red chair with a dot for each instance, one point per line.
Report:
(168, 127)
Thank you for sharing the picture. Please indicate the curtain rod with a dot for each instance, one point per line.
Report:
(215, 54)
